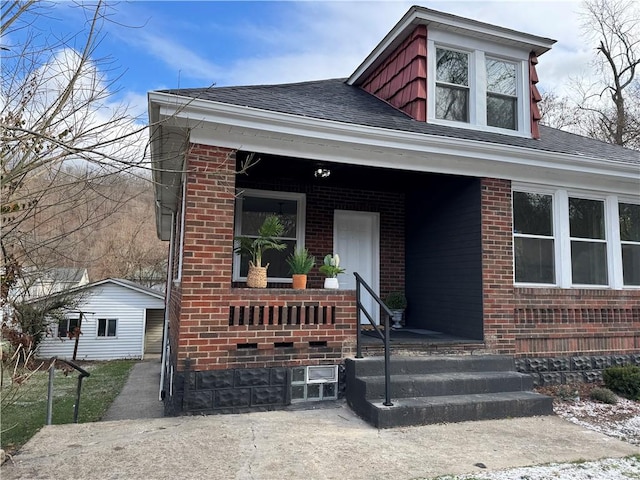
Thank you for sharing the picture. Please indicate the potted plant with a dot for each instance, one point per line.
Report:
(254, 247)
(397, 302)
(300, 263)
(331, 269)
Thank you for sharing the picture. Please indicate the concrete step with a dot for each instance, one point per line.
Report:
(373, 366)
(453, 408)
(439, 389)
(440, 384)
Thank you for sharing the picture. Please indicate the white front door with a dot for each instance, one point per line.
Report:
(356, 238)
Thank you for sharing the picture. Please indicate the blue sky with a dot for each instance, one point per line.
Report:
(171, 44)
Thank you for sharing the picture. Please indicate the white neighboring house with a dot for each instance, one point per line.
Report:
(119, 319)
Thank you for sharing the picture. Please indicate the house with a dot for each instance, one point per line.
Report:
(117, 318)
(428, 171)
(39, 283)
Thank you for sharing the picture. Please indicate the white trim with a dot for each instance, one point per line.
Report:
(478, 53)
(301, 207)
(252, 129)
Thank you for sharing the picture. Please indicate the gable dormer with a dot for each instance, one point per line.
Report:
(449, 70)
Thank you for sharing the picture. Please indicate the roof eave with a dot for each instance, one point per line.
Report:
(424, 16)
(241, 127)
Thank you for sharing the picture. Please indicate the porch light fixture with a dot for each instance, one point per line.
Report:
(321, 172)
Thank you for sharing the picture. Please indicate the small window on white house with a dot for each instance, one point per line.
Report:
(502, 94)
(252, 207)
(588, 242)
(107, 327)
(533, 238)
(452, 85)
(66, 326)
(629, 214)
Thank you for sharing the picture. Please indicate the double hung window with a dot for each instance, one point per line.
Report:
(588, 242)
(533, 239)
(452, 85)
(629, 216)
(252, 207)
(502, 94)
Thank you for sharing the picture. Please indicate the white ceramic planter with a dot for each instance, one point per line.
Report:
(331, 283)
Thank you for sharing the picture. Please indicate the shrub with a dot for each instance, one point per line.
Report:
(603, 395)
(624, 381)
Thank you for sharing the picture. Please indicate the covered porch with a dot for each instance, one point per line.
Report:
(407, 231)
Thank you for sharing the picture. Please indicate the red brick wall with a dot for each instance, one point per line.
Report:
(497, 265)
(541, 322)
(200, 328)
(402, 79)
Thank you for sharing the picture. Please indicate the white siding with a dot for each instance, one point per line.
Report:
(153, 332)
(107, 300)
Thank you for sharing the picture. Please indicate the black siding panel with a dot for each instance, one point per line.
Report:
(444, 258)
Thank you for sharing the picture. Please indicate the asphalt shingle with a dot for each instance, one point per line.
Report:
(337, 101)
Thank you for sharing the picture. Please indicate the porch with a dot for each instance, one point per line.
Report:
(415, 232)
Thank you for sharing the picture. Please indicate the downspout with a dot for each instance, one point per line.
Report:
(167, 299)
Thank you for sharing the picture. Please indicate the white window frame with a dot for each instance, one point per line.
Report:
(618, 251)
(478, 50)
(106, 328)
(563, 239)
(517, 97)
(554, 237)
(300, 198)
(468, 87)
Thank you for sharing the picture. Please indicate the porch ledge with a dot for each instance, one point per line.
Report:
(291, 291)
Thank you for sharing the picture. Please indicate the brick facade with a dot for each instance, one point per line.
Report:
(545, 322)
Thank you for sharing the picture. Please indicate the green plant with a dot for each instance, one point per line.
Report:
(300, 262)
(254, 247)
(331, 266)
(603, 395)
(396, 301)
(624, 381)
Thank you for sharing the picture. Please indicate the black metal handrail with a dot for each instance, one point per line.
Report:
(82, 373)
(384, 336)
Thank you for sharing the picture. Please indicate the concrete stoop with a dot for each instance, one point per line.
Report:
(437, 389)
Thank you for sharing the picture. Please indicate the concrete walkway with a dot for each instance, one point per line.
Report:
(139, 397)
(324, 443)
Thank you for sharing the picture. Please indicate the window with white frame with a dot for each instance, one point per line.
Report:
(479, 85)
(575, 239)
(502, 94)
(107, 327)
(252, 207)
(533, 238)
(588, 241)
(629, 216)
(452, 85)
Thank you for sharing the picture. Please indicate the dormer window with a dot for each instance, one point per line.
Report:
(452, 85)
(502, 94)
(476, 84)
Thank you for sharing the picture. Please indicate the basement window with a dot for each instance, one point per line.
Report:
(314, 383)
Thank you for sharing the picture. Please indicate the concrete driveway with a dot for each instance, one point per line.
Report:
(321, 443)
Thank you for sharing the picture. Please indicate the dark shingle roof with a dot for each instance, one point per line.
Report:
(337, 101)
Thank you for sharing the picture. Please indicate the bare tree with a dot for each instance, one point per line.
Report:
(63, 139)
(607, 105)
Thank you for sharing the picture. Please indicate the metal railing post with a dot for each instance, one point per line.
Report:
(387, 364)
(384, 336)
(52, 369)
(358, 326)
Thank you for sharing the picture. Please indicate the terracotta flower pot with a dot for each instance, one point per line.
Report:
(299, 281)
